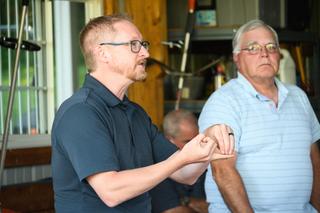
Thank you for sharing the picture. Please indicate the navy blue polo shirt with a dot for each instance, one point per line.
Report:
(94, 132)
(168, 194)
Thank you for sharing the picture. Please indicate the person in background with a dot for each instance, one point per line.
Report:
(179, 126)
(106, 153)
(276, 167)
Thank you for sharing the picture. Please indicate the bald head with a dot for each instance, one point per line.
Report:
(180, 126)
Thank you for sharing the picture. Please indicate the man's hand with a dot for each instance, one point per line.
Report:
(224, 136)
(199, 149)
(202, 149)
(217, 154)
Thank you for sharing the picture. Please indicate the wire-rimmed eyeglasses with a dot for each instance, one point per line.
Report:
(134, 44)
(255, 48)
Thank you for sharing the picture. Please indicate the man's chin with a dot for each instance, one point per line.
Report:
(141, 77)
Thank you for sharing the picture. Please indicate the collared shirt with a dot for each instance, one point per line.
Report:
(96, 132)
(273, 145)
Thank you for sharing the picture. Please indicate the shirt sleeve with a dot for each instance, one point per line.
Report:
(315, 127)
(87, 141)
(221, 108)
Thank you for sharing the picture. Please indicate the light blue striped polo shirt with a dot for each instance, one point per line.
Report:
(273, 145)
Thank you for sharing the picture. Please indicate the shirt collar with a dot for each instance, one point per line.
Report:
(247, 85)
(282, 90)
(103, 92)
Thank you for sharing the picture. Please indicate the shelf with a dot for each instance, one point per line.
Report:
(197, 105)
(203, 34)
(192, 105)
(215, 40)
(295, 36)
(212, 33)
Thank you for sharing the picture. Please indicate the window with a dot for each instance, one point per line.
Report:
(32, 111)
(70, 68)
(41, 85)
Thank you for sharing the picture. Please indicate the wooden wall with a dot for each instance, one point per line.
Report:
(27, 197)
(151, 19)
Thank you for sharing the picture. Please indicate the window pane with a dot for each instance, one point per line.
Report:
(30, 88)
(78, 21)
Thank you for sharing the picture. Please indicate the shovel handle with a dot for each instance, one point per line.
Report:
(191, 5)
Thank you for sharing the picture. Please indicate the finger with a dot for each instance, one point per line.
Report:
(204, 140)
(210, 146)
(203, 143)
(231, 140)
(226, 139)
(232, 144)
(199, 137)
(213, 150)
(218, 136)
(208, 141)
(218, 156)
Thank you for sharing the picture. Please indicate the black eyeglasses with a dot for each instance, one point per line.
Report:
(254, 49)
(134, 44)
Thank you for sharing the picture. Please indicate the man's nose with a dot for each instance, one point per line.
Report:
(143, 51)
(264, 51)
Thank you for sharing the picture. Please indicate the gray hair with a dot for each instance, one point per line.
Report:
(172, 121)
(251, 25)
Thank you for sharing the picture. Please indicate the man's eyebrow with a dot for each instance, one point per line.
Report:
(255, 42)
(251, 42)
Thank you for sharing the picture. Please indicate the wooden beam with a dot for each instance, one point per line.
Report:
(32, 197)
(28, 157)
(151, 19)
(110, 7)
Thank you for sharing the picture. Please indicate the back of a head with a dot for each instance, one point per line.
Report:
(94, 32)
(173, 119)
(251, 25)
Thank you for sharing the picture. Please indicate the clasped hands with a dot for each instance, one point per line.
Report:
(217, 142)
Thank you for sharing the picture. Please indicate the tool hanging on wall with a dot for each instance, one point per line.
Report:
(300, 59)
(189, 29)
(17, 44)
(13, 42)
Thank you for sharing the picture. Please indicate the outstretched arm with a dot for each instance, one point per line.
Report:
(315, 157)
(115, 187)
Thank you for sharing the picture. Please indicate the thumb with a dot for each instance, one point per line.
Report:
(217, 156)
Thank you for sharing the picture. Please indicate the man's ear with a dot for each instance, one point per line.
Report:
(236, 59)
(101, 54)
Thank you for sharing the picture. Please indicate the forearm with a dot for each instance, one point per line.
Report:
(315, 196)
(116, 187)
(189, 173)
(232, 189)
(128, 184)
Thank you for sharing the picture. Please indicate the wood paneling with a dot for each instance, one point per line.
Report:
(151, 19)
(28, 197)
(110, 7)
(28, 157)
(34, 197)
